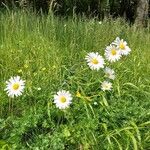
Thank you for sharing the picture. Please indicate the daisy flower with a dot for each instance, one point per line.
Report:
(95, 61)
(112, 53)
(106, 86)
(15, 86)
(109, 73)
(122, 46)
(62, 99)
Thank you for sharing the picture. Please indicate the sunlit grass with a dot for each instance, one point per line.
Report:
(49, 53)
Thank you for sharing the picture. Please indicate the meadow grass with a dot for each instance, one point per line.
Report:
(49, 53)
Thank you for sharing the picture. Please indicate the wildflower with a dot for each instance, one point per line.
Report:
(112, 53)
(26, 66)
(95, 61)
(15, 86)
(106, 86)
(78, 94)
(62, 99)
(20, 71)
(109, 73)
(39, 89)
(122, 46)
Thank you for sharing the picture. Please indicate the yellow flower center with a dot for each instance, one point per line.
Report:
(113, 52)
(16, 86)
(63, 99)
(95, 61)
(106, 86)
(122, 46)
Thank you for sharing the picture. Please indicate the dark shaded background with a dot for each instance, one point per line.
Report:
(89, 8)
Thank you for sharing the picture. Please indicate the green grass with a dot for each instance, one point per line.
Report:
(49, 52)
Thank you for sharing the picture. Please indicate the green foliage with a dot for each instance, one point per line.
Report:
(48, 52)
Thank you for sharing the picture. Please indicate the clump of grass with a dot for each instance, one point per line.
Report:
(49, 53)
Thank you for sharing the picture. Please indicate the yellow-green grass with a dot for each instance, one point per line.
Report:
(49, 52)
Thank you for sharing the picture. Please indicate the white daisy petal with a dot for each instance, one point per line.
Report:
(63, 99)
(106, 86)
(112, 53)
(109, 73)
(14, 86)
(122, 46)
(95, 61)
